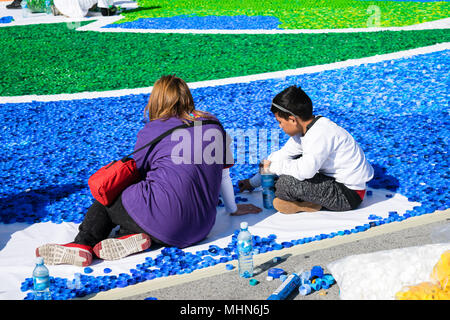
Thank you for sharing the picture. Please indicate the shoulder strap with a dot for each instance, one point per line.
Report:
(168, 132)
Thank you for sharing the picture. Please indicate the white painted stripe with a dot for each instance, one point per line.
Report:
(97, 26)
(242, 79)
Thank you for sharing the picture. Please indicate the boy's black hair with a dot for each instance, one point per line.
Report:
(295, 100)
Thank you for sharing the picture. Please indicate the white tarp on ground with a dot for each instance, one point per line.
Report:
(18, 241)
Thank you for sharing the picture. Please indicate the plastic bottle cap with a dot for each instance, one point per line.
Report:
(39, 260)
(276, 259)
(305, 276)
(244, 225)
(275, 272)
(304, 290)
(88, 270)
(253, 282)
(316, 271)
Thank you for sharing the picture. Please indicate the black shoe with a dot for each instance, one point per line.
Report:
(14, 5)
(109, 11)
(94, 8)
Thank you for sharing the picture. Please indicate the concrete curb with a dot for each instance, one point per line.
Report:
(160, 283)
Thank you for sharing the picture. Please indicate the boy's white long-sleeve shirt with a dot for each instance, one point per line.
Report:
(325, 148)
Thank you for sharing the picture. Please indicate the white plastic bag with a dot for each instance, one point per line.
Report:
(380, 275)
(441, 234)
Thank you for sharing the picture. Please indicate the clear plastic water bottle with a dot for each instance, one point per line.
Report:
(25, 9)
(48, 6)
(268, 186)
(245, 252)
(41, 281)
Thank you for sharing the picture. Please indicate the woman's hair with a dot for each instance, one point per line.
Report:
(171, 97)
(295, 100)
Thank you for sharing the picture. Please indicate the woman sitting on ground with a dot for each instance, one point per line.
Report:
(175, 202)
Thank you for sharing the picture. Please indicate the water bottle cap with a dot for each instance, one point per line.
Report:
(39, 260)
(244, 225)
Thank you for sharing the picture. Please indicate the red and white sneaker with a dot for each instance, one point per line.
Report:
(71, 253)
(118, 248)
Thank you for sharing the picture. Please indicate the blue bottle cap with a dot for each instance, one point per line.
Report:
(316, 286)
(276, 259)
(253, 282)
(229, 267)
(304, 289)
(316, 271)
(328, 279)
(276, 272)
(88, 270)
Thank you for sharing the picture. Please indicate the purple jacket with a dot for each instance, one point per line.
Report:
(175, 203)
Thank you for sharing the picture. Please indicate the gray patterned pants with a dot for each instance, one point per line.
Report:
(320, 189)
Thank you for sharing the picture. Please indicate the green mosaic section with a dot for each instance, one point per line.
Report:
(300, 14)
(52, 58)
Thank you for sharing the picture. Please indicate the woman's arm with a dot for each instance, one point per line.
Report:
(227, 192)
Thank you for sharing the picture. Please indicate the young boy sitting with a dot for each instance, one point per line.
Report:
(320, 166)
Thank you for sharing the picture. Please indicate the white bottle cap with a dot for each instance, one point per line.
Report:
(244, 225)
(39, 260)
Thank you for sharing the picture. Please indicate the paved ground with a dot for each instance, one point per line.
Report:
(229, 286)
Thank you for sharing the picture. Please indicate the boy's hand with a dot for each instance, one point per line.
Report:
(245, 185)
(246, 209)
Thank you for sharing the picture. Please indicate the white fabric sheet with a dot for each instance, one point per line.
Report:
(19, 241)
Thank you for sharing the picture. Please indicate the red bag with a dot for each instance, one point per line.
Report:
(108, 182)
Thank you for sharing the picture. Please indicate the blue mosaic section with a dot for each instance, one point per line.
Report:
(397, 111)
(241, 22)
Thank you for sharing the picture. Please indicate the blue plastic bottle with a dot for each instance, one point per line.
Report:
(48, 6)
(268, 186)
(285, 289)
(245, 252)
(41, 281)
